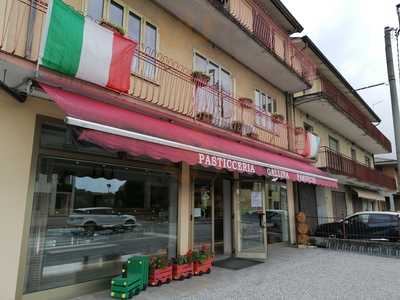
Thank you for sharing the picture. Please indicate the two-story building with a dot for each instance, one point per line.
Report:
(389, 167)
(346, 126)
(202, 150)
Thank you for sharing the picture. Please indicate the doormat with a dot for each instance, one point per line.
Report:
(234, 263)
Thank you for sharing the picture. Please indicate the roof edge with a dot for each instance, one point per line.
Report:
(319, 53)
(288, 15)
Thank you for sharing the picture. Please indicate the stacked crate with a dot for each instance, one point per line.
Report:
(133, 279)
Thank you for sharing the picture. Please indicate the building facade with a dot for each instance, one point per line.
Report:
(203, 150)
(336, 113)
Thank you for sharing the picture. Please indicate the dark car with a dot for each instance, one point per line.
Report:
(369, 225)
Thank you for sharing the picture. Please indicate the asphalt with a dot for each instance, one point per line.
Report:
(289, 273)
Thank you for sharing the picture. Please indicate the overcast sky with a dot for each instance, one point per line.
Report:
(351, 34)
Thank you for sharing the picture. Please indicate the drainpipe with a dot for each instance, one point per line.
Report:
(30, 29)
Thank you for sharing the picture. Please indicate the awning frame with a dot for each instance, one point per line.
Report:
(147, 138)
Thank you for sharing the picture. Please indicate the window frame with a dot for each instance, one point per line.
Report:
(337, 144)
(269, 101)
(220, 68)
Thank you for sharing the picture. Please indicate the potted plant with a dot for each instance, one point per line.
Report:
(160, 270)
(277, 118)
(299, 130)
(112, 27)
(246, 102)
(237, 126)
(182, 266)
(202, 261)
(205, 117)
(200, 78)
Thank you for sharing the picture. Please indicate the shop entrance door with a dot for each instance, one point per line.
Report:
(211, 211)
(250, 220)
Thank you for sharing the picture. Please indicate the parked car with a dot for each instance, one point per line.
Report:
(91, 218)
(369, 225)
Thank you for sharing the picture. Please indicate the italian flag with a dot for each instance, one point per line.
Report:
(77, 46)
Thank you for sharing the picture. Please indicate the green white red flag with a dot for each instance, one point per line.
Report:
(77, 46)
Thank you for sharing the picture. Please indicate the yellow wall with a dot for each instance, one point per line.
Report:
(178, 41)
(17, 136)
(324, 132)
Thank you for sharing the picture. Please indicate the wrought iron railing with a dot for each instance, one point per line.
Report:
(357, 116)
(337, 163)
(253, 16)
(156, 79)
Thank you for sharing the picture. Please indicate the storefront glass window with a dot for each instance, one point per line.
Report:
(277, 212)
(88, 218)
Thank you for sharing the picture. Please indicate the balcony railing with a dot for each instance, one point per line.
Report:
(343, 102)
(252, 16)
(156, 79)
(337, 163)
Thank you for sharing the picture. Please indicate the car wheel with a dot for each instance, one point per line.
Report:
(129, 224)
(90, 226)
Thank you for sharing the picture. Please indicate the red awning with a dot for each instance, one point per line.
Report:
(118, 129)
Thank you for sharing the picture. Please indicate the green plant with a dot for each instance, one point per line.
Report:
(112, 26)
(202, 255)
(184, 259)
(159, 262)
(201, 76)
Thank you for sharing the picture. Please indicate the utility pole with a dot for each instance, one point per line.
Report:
(393, 91)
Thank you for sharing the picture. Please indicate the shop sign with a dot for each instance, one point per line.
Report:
(306, 179)
(277, 173)
(224, 163)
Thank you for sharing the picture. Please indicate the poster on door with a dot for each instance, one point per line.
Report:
(256, 199)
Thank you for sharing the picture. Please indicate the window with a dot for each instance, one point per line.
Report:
(95, 9)
(134, 30)
(218, 104)
(353, 154)
(333, 144)
(150, 47)
(367, 161)
(116, 14)
(308, 127)
(379, 220)
(265, 106)
(359, 219)
(110, 211)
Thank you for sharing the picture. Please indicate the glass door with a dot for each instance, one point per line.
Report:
(250, 220)
(202, 212)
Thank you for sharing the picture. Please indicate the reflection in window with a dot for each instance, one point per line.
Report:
(134, 28)
(116, 14)
(95, 9)
(150, 47)
(89, 218)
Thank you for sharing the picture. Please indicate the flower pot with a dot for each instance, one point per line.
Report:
(200, 268)
(253, 135)
(237, 126)
(205, 117)
(112, 27)
(180, 272)
(298, 130)
(278, 119)
(160, 276)
(200, 79)
(246, 102)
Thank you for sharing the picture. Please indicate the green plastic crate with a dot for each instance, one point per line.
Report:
(126, 287)
(139, 265)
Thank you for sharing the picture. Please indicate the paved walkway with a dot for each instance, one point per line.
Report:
(290, 273)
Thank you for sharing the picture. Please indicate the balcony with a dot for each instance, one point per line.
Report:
(342, 115)
(156, 79)
(336, 163)
(245, 31)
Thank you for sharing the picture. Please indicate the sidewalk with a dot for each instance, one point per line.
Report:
(289, 273)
